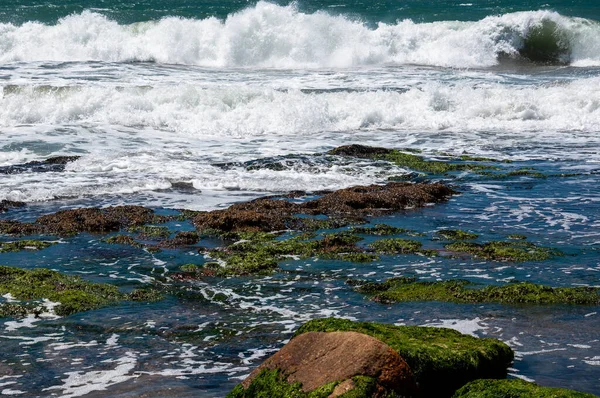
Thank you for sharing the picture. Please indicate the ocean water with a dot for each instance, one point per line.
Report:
(169, 103)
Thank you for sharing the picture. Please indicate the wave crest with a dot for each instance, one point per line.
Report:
(272, 36)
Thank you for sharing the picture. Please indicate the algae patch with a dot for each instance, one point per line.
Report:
(272, 383)
(462, 291)
(19, 245)
(407, 160)
(504, 251)
(514, 388)
(73, 293)
(457, 234)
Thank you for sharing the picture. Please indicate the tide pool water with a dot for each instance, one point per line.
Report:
(197, 105)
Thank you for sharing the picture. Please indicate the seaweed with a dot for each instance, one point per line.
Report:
(504, 251)
(514, 388)
(461, 291)
(72, 292)
(19, 245)
(457, 234)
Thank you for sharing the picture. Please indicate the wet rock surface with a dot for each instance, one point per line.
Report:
(315, 359)
(354, 203)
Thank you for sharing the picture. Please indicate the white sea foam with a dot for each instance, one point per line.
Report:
(268, 35)
(192, 112)
(80, 383)
(466, 326)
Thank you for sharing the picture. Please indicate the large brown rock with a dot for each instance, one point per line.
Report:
(318, 358)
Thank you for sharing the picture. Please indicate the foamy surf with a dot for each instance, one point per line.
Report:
(272, 36)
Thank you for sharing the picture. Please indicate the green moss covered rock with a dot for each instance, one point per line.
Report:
(19, 245)
(442, 360)
(406, 160)
(73, 293)
(504, 251)
(462, 291)
(316, 364)
(514, 388)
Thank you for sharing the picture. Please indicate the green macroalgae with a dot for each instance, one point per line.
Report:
(380, 230)
(462, 291)
(19, 245)
(400, 246)
(408, 160)
(441, 360)
(273, 384)
(504, 251)
(72, 292)
(261, 253)
(514, 388)
(457, 234)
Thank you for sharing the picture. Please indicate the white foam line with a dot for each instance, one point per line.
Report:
(524, 353)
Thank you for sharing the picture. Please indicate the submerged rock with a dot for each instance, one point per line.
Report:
(331, 362)
(514, 388)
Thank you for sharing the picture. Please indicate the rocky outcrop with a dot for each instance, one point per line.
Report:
(350, 203)
(318, 359)
(442, 360)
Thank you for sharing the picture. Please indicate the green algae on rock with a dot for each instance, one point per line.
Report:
(504, 251)
(442, 360)
(380, 230)
(261, 255)
(150, 231)
(457, 234)
(397, 246)
(72, 292)
(122, 240)
(461, 291)
(403, 159)
(356, 364)
(19, 245)
(272, 383)
(514, 388)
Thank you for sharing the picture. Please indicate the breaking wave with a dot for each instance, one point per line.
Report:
(272, 36)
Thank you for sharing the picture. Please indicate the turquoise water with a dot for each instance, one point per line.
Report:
(20, 11)
(197, 105)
